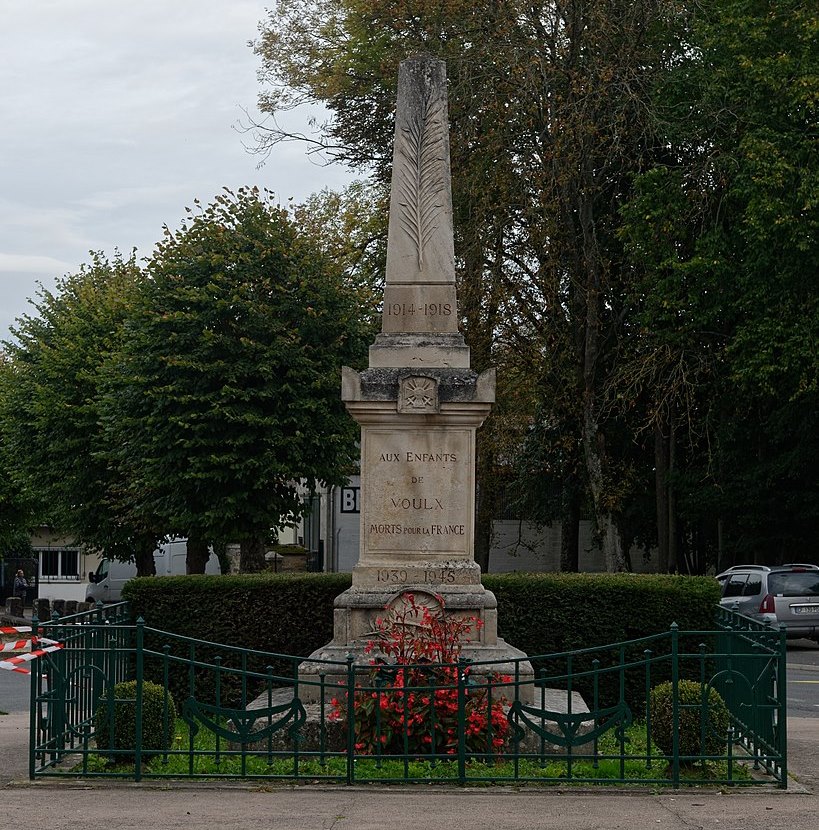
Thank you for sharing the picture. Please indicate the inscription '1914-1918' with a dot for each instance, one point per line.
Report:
(427, 309)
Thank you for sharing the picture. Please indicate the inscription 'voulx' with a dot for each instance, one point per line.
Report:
(418, 504)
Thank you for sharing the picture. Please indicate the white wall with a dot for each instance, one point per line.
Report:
(516, 546)
(345, 527)
(525, 547)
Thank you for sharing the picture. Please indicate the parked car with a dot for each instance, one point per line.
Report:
(785, 595)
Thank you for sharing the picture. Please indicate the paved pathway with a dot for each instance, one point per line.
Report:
(101, 804)
(164, 806)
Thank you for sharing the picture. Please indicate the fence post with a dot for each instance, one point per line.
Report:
(140, 638)
(57, 691)
(462, 664)
(33, 708)
(350, 719)
(782, 701)
(675, 705)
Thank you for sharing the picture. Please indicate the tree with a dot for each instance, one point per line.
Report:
(349, 229)
(16, 511)
(225, 393)
(550, 120)
(50, 409)
(724, 236)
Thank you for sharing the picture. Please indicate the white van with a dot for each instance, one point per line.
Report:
(105, 584)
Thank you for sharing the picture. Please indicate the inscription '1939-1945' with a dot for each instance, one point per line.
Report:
(431, 577)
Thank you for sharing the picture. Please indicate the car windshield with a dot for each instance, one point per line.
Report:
(794, 584)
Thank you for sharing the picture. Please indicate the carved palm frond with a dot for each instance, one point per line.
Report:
(420, 174)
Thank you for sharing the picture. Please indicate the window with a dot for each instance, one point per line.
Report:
(794, 584)
(735, 585)
(59, 564)
(754, 586)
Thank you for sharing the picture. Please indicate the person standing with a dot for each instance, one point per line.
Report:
(21, 586)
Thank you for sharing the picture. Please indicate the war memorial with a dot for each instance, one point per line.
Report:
(419, 403)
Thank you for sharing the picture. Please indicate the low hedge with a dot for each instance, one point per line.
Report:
(539, 613)
(552, 612)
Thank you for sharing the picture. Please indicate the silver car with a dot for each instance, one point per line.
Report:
(785, 595)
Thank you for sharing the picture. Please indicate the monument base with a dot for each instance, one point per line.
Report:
(357, 609)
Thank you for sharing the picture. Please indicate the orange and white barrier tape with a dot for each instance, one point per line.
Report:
(15, 645)
(19, 645)
(13, 663)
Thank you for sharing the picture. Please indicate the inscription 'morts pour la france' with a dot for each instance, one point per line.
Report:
(420, 176)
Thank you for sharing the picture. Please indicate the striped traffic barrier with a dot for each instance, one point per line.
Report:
(13, 663)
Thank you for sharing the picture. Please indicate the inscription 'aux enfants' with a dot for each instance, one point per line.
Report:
(422, 457)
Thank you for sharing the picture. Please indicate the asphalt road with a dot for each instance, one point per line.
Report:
(803, 652)
(14, 691)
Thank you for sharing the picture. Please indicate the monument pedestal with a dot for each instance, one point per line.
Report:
(418, 488)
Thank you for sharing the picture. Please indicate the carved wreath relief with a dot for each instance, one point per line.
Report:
(421, 180)
(418, 394)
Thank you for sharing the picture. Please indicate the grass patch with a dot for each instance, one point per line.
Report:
(637, 764)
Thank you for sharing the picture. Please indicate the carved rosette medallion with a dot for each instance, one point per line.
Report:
(418, 395)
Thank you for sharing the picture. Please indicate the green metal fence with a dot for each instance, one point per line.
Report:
(582, 716)
(67, 684)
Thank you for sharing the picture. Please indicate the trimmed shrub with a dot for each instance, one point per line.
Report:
(282, 614)
(155, 705)
(292, 614)
(553, 612)
(690, 709)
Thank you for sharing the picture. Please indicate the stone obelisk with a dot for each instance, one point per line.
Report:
(418, 404)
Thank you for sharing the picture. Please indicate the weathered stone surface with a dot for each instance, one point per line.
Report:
(419, 405)
(420, 285)
(420, 315)
(385, 384)
(42, 609)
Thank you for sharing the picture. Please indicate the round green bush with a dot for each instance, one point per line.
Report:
(689, 693)
(155, 705)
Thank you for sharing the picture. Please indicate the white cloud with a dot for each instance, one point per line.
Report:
(31, 264)
(115, 117)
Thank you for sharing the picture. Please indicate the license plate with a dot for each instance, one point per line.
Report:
(805, 609)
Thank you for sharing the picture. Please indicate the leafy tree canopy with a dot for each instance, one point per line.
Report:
(50, 409)
(225, 393)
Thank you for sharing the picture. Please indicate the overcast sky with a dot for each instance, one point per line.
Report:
(114, 116)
